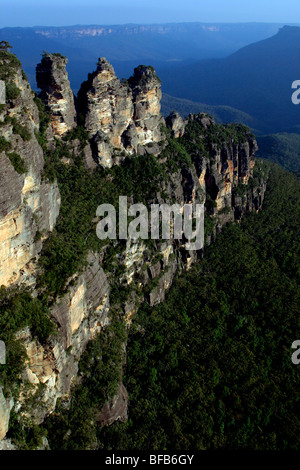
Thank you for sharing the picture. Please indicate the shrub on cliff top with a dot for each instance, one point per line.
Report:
(9, 63)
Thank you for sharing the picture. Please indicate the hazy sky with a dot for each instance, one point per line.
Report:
(66, 12)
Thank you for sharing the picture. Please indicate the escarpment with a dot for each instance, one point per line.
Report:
(58, 163)
(224, 159)
(29, 205)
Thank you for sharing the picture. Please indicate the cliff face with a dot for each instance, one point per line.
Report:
(80, 314)
(121, 118)
(29, 206)
(227, 168)
(146, 94)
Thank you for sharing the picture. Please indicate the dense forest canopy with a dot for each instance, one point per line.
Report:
(211, 367)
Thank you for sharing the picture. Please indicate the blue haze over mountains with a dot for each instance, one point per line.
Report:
(126, 46)
(245, 70)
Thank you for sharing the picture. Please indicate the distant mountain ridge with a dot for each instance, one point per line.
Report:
(256, 79)
(161, 45)
(221, 114)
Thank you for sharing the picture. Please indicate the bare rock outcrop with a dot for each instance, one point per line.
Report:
(116, 409)
(52, 79)
(6, 405)
(2, 92)
(146, 91)
(50, 369)
(29, 206)
(120, 116)
(229, 165)
(175, 122)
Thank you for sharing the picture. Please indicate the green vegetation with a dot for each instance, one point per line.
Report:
(44, 119)
(100, 371)
(17, 162)
(58, 54)
(215, 134)
(18, 129)
(231, 383)
(240, 190)
(4, 145)
(208, 369)
(12, 91)
(198, 141)
(64, 253)
(4, 46)
(18, 309)
(210, 205)
(220, 113)
(25, 434)
(9, 64)
(22, 131)
(177, 155)
(282, 148)
(55, 54)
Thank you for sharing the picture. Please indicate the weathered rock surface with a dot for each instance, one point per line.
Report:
(52, 79)
(6, 405)
(175, 122)
(229, 164)
(50, 369)
(6, 444)
(2, 92)
(28, 205)
(146, 91)
(108, 108)
(120, 116)
(116, 409)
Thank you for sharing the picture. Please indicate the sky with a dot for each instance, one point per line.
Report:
(66, 12)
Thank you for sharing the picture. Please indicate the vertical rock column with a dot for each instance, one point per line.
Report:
(146, 90)
(106, 104)
(52, 79)
(121, 116)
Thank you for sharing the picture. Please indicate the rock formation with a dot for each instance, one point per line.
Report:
(2, 92)
(80, 315)
(28, 205)
(116, 410)
(52, 79)
(6, 405)
(229, 164)
(175, 122)
(146, 93)
(121, 118)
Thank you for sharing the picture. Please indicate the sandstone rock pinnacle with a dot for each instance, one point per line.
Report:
(120, 116)
(52, 79)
